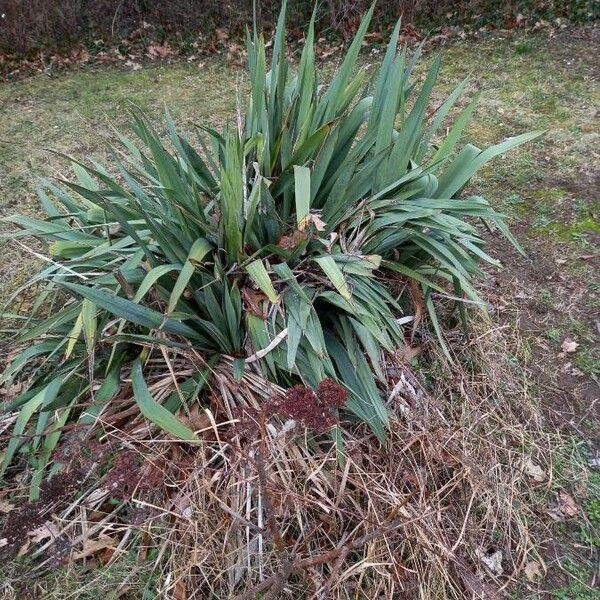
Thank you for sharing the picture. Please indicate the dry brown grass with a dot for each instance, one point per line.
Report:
(286, 514)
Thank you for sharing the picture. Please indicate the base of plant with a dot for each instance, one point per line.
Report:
(264, 505)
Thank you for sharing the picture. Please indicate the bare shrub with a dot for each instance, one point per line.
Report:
(31, 24)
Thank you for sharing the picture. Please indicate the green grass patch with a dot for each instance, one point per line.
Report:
(578, 587)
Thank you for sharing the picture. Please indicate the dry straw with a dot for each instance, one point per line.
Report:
(282, 513)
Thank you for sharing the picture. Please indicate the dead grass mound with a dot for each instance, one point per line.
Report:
(264, 508)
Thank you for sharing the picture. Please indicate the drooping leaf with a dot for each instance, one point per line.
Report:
(335, 275)
(259, 275)
(155, 412)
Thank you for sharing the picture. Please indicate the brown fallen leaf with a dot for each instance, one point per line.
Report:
(569, 346)
(411, 479)
(410, 352)
(106, 555)
(567, 504)
(492, 561)
(534, 570)
(447, 458)
(535, 471)
(222, 34)
(23, 549)
(134, 66)
(43, 532)
(419, 305)
(180, 592)
(374, 36)
(317, 222)
(143, 548)
(158, 51)
(5, 507)
(91, 547)
(197, 419)
(12, 391)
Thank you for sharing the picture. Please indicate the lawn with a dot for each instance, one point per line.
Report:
(548, 188)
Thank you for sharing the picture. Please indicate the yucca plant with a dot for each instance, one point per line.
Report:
(279, 245)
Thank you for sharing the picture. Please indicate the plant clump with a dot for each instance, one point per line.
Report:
(280, 247)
